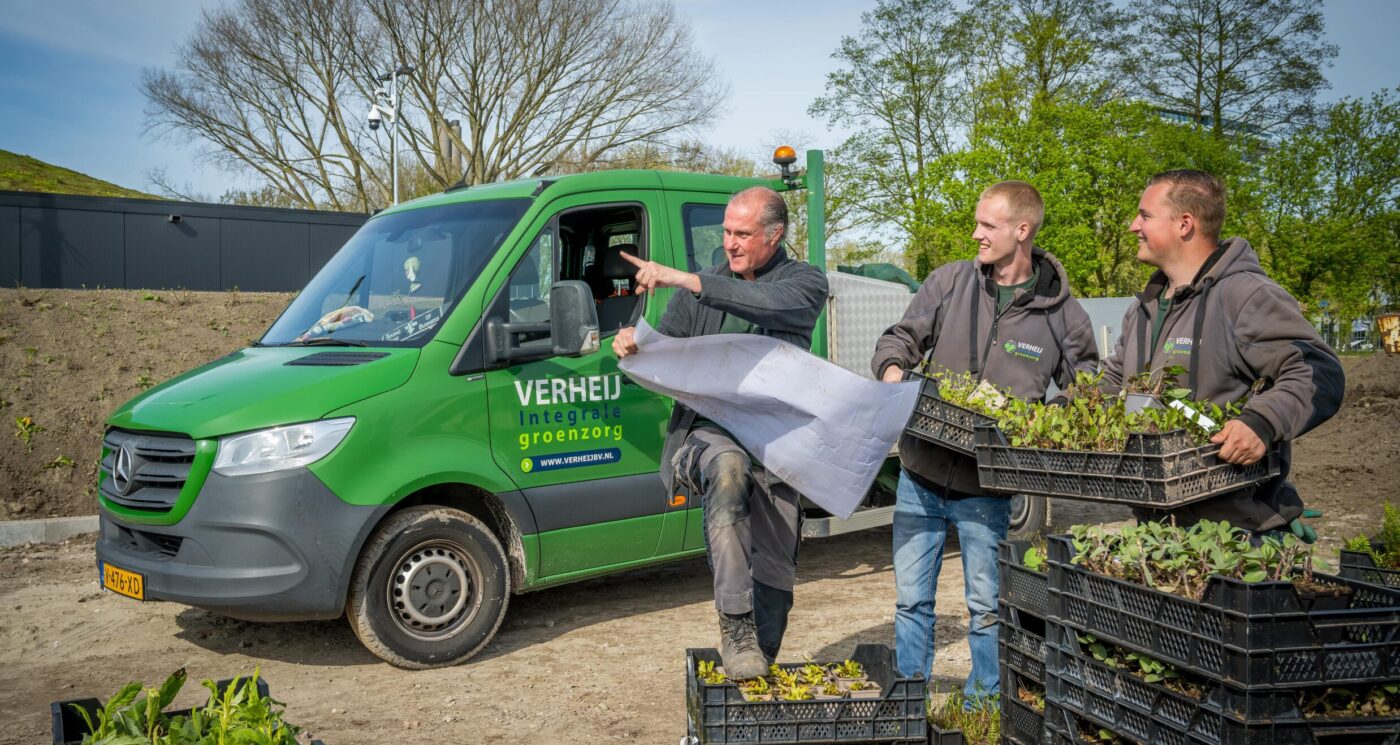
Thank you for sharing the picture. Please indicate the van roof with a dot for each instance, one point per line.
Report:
(577, 183)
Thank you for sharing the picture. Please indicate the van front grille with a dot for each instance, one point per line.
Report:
(153, 468)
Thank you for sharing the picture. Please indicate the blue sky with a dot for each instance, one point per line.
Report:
(71, 69)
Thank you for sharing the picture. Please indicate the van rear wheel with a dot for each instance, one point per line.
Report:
(430, 588)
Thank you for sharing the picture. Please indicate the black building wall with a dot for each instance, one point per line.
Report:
(66, 241)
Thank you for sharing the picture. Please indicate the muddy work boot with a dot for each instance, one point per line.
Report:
(738, 647)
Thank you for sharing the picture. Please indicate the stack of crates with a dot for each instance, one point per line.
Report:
(1238, 667)
(1023, 609)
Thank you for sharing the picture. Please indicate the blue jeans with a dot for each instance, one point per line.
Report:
(921, 519)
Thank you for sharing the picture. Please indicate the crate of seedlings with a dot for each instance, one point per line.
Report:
(1151, 701)
(1207, 601)
(1093, 448)
(238, 709)
(945, 414)
(1376, 560)
(861, 699)
(1022, 578)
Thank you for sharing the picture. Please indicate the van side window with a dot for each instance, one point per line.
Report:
(583, 244)
(704, 235)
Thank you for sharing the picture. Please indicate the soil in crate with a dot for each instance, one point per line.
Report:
(719, 713)
(1156, 470)
(1021, 587)
(1192, 710)
(1249, 634)
(942, 423)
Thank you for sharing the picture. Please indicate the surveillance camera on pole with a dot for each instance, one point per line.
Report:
(378, 114)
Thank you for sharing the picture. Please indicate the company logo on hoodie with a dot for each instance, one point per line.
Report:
(1179, 345)
(1023, 350)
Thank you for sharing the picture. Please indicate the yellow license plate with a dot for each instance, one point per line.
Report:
(123, 582)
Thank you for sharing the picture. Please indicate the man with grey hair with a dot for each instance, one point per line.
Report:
(751, 517)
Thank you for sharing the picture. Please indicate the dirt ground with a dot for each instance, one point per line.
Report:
(598, 661)
(73, 356)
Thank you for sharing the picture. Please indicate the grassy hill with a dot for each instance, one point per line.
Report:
(23, 173)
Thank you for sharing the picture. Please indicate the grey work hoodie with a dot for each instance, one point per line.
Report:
(783, 300)
(1230, 327)
(1041, 335)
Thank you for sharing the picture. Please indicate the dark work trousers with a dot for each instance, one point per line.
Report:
(752, 528)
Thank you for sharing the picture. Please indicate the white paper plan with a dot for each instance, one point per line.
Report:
(821, 428)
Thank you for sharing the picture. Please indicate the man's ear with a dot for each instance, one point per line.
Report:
(1186, 226)
(1023, 231)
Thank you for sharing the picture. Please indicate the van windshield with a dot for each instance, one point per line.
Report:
(398, 277)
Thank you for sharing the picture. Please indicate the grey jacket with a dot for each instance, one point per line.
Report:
(1230, 327)
(1042, 335)
(783, 301)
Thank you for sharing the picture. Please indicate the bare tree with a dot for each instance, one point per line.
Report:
(276, 88)
(1242, 63)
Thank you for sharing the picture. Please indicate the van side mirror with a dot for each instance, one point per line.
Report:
(572, 328)
(573, 318)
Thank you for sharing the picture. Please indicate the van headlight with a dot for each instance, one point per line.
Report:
(280, 448)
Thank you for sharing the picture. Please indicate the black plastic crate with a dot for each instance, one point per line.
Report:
(1224, 715)
(1248, 634)
(938, 736)
(1020, 722)
(1020, 587)
(69, 727)
(943, 423)
(1022, 643)
(719, 713)
(1154, 470)
(1356, 565)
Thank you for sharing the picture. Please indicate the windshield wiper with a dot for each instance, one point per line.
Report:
(326, 341)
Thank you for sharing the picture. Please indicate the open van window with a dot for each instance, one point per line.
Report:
(398, 277)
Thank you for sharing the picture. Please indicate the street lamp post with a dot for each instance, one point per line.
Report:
(378, 113)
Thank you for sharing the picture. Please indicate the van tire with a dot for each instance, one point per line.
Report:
(430, 588)
(1029, 517)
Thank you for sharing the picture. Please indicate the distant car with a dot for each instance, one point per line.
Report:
(1361, 345)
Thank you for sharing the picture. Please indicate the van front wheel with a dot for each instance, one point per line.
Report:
(430, 588)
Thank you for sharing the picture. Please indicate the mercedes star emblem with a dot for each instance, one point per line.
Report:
(122, 471)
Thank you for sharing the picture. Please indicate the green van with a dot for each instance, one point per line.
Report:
(434, 423)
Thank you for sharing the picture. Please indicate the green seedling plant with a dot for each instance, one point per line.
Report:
(25, 429)
(1034, 559)
(1181, 561)
(61, 461)
(238, 715)
(755, 687)
(813, 674)
(1384, 550)
(830, 688)
(849, 669)
(706, 672)
(782, 678)
(796, 693)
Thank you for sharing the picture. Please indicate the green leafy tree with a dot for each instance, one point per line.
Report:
(897, 89)
(1326, 229)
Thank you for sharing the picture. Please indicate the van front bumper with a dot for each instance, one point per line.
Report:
(273, 547)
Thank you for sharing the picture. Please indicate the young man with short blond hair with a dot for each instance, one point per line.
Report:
(1006, 317)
